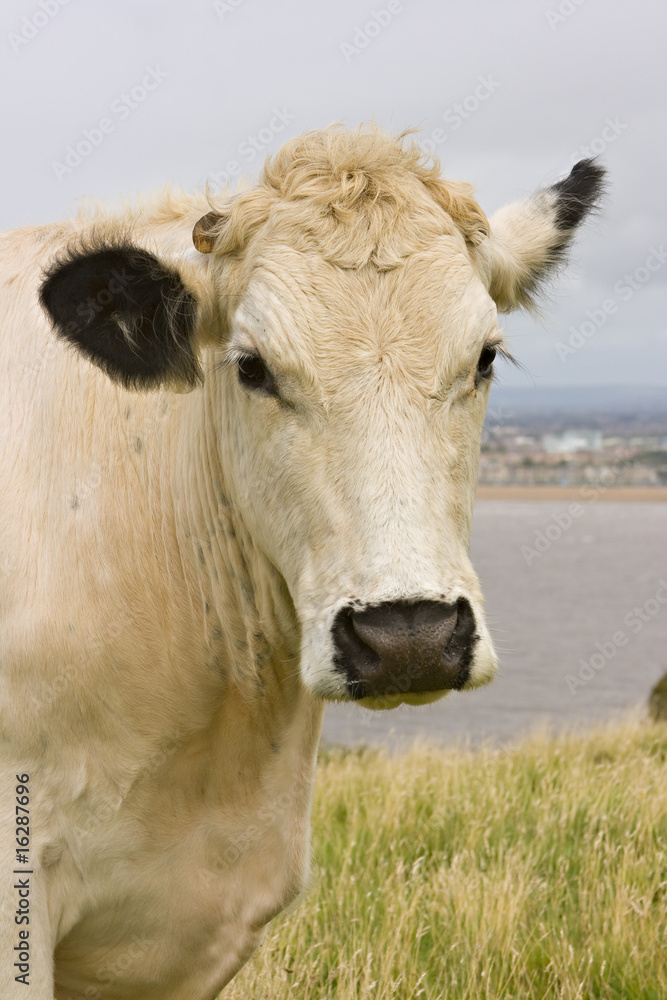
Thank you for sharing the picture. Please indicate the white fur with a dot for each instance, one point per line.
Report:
(171, 565)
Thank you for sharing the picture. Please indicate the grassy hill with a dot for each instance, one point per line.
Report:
(537, 872)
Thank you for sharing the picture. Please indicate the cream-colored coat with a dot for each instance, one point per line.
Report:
(171, 563)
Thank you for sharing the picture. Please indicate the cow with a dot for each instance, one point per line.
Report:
(239, 441)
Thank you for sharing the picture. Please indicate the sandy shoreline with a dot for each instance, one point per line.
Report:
(583, 494)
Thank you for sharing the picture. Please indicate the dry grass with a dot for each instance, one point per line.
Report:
(537, 873)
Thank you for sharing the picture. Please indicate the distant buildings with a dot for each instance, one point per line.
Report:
(519, 455)
(571, 441)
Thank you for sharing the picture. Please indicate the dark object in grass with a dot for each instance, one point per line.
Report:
(657, 703)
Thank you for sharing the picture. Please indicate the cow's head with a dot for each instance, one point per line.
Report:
(345, 311)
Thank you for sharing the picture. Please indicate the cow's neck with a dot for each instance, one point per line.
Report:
(242, 614)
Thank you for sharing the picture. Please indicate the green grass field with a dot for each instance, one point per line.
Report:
(539, 872)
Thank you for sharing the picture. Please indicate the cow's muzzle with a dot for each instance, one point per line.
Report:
(403, 647)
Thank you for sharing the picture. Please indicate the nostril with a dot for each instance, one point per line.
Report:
(404, 646)
(350, 644)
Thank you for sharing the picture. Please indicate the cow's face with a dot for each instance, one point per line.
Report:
(354, 335)
(354, 405)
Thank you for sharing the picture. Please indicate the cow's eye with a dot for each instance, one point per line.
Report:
(485, 363)
(254, 374)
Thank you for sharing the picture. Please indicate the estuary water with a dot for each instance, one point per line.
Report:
(578, 613)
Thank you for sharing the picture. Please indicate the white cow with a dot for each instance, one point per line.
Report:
(186, 577)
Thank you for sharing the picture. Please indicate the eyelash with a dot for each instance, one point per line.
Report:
(252, 373)
(494, 349)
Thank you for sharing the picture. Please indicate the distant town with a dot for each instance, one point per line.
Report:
(575, 439)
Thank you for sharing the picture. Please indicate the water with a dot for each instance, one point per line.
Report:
(546, 614)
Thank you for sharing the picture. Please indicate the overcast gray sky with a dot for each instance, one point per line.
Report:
(509, 94)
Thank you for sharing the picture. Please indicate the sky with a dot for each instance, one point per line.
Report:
(507, 95)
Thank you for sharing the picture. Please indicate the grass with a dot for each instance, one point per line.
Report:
(537, 873)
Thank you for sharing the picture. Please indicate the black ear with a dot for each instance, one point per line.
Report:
(578, 194)
(529, 239)
(127, 312)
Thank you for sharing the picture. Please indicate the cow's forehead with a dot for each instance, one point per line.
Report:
(301, 310)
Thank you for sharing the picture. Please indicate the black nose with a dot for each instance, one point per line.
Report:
(404, 647)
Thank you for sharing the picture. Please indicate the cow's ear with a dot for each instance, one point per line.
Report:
(127, 312)
(530, 238)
